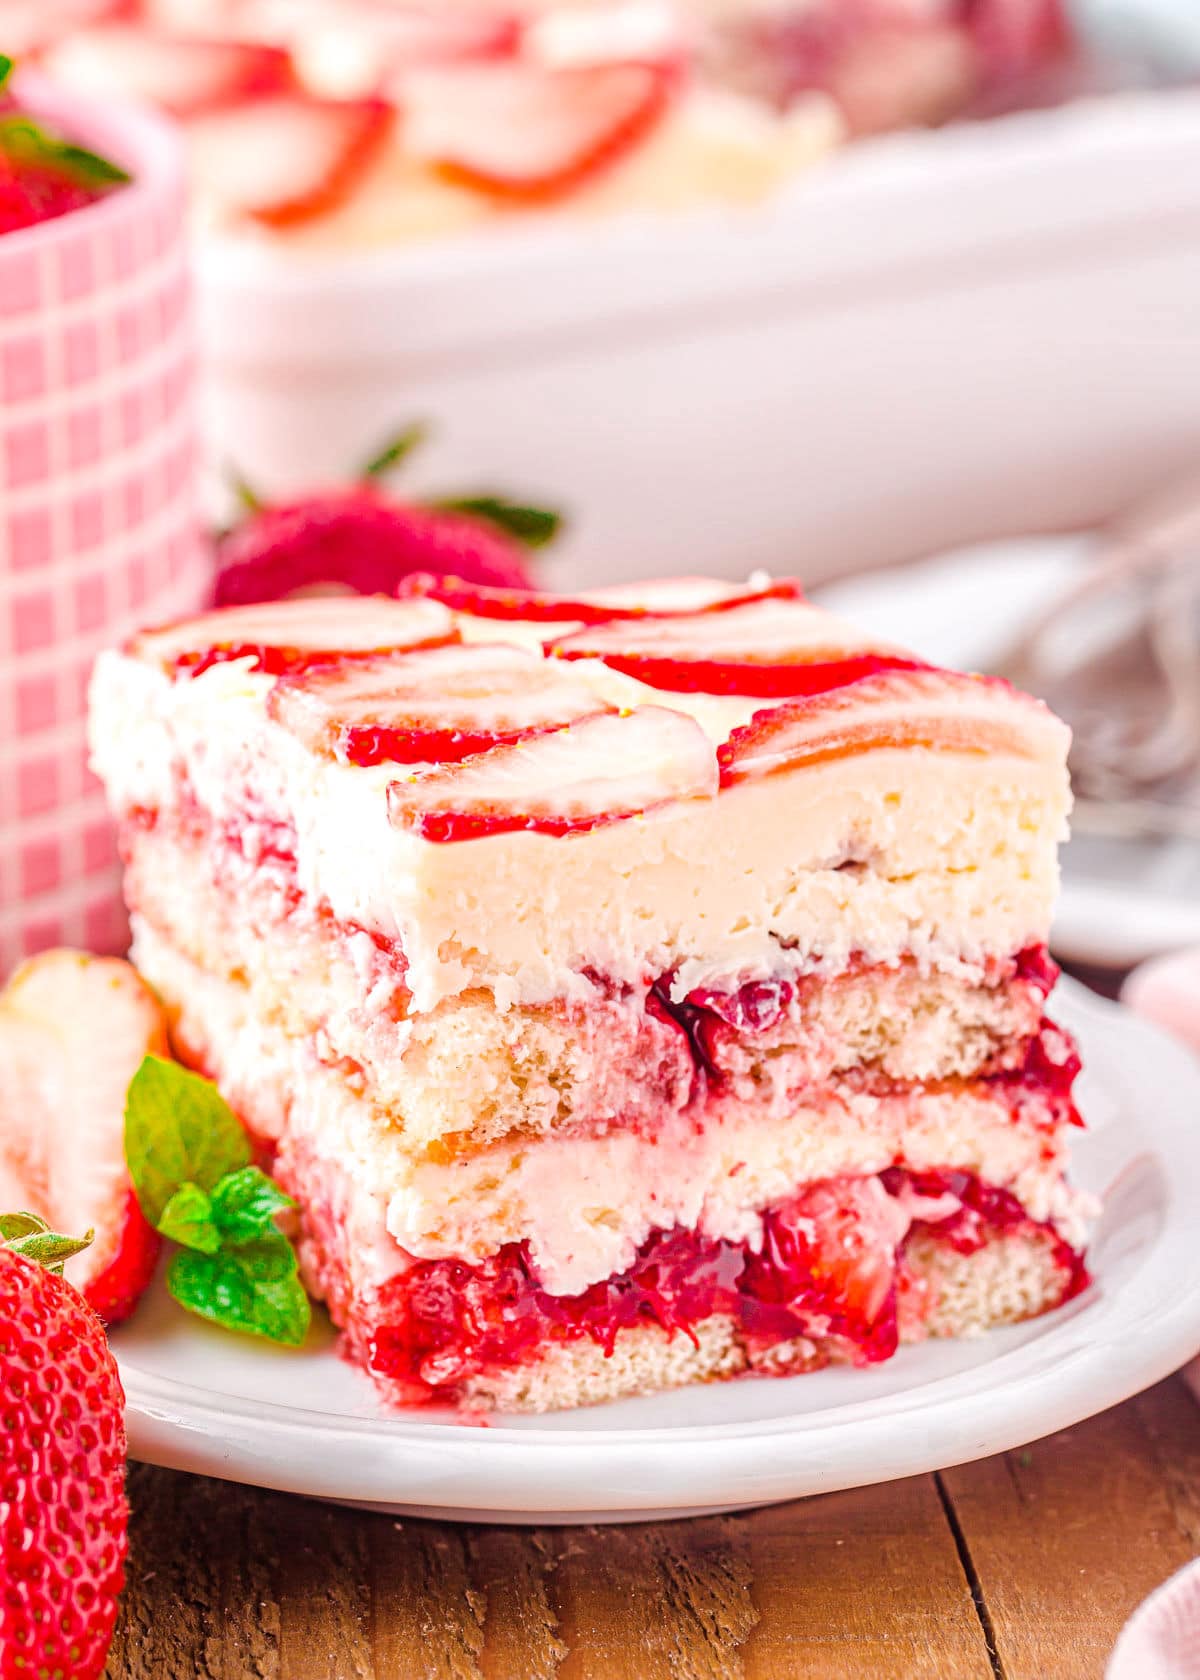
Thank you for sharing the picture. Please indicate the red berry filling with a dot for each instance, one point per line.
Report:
(985, 1210)
(827, 1272)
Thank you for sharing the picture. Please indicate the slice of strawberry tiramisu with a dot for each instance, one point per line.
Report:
(634, 990)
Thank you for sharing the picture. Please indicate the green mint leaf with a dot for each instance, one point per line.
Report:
(6, 70)
(178, 1130)
(255, 1290)
(398, 449)
(533, 526)
(188, 1219)
(244, 1206)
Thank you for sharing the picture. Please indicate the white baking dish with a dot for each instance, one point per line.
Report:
(932, 337)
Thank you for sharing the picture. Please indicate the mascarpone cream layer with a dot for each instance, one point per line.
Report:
(586, 1204)
(947, 856)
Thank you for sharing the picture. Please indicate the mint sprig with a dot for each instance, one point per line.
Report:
(190, 1162)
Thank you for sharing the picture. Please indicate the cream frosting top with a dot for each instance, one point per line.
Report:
(908, 811)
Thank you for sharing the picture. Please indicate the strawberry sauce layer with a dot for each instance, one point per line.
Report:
(830, 1272)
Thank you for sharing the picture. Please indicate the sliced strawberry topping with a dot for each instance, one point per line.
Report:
(439, 706)
(773, 648)
(599, 770)
(181, 74)
(73, 1032)
(598, 606)
(434, 34)
(287, 159)
(283, 635)
(940, 711)
(526, 133)
(33, 26)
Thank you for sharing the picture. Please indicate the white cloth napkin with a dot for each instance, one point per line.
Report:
(1161, 1640)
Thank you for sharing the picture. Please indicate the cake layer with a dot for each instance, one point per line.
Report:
(1011, 1278)
(844, 1270)
(908, 813)
(585, 1203)
(466, 1073)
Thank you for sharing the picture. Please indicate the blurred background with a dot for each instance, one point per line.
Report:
(901, 296)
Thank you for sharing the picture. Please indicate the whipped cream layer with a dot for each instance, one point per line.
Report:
(585, 1204)
(943, 849)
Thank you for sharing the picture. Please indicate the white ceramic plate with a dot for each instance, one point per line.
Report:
(1122, 900)
(205, 1401)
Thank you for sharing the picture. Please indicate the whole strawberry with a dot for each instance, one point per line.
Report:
(362, 539)
(62, 1465)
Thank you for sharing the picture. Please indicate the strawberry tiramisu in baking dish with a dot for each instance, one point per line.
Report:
(633, 990)
(362, 122)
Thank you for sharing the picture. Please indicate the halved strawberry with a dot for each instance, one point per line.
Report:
(526, 133)
(629, 601)
(73, 1032)
(181, 74)
(287, 158)
(284, 635)
(940, 711)
(439, 706)
(599, 770)
(764, 647)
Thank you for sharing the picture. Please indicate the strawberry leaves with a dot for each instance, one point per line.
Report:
(533, 526)
(191, 1168)
(30, 1235)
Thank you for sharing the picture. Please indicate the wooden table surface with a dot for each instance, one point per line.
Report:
(1023, 1566)
(1020, 1567)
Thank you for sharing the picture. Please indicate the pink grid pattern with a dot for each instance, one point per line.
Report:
(98, 531)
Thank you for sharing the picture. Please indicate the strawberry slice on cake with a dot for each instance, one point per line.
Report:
(525, 132)
(633, 988)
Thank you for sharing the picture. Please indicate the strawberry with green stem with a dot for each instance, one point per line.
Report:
(63, 1515)
(42, 174)
(359, 538)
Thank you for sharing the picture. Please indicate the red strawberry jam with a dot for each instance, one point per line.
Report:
(827, 1271)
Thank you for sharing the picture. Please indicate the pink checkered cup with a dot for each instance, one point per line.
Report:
(98, 514)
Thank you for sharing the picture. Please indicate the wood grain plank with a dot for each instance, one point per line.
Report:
(866, 1582)
(654, 1601)
(1069, 1535)
(199, 1602)
(323, 1590)
(428, 1614)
